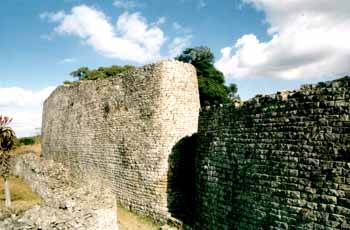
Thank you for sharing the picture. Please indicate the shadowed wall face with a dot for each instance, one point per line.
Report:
(278, 161)
(181, 180)
(124, 129)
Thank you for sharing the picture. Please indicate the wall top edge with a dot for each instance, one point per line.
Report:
(284, 96)
(157, 66)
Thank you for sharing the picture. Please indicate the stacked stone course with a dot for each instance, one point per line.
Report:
(124, 128)
(278, 162)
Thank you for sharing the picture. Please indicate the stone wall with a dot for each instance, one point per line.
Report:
(280, 161)
(124, 128)
(277, 162)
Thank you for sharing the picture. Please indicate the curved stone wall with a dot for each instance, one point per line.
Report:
(124, 128)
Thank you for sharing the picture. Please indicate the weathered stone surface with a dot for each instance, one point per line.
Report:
(277, 161)
(68, 202)
(124, 129)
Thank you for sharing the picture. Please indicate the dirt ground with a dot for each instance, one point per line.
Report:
(130, 221)
(36, 148)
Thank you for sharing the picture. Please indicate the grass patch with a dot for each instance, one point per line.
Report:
(131, 221)
(22, 196)
(27, 145)
(36, 148)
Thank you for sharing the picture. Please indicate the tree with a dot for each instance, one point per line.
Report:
(212, 89)
(84, 73)
(232, 92)
(7, 137)
(197, 54)
(81, 73)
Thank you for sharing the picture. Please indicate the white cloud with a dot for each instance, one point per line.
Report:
(160, 21)
(19, 97)
(309, 38)
(25, 107)
(127, 5)
(177, 26)
(180, 28)
(52, 17)
(131, 39)
(25, 123)
(134, 30)
(179, 44)
(67, 60)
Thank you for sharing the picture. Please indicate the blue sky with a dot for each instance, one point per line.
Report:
(261, 45)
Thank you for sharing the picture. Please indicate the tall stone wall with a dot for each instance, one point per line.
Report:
(277, 162)
(124, 128)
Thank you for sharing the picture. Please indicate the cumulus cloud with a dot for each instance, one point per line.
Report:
(179, 44)
(19, 97)
(180, 28)
(25, 107)
(160, 21)
(309, 38)
(25, 123)
(127, 5)
(132, 38)
(52, 17)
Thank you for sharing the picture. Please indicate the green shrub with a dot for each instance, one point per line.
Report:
(28, 140)
(84, 73)
(211, 81)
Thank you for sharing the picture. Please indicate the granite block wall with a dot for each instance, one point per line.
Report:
(124, 129)
(277, 162)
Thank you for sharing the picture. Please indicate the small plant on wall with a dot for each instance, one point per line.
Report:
(7, 137)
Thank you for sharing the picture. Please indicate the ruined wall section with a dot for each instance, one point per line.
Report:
(68, 202)
(124, 129)
(277, 162)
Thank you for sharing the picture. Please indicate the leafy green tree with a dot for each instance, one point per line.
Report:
(95, 74)
(7, 137)
(197, 54)
(81, 73)
(212, 89)
(84, 73)
(232, 92)
(114, 70)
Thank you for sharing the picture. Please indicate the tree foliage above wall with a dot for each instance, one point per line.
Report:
(212, 89)
(84, 73)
